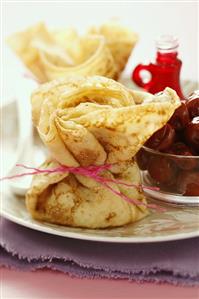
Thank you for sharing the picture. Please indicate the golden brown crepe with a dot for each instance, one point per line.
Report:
(93, 121)
(78, 201)
(51, 55)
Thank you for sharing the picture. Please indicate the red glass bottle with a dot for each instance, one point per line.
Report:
(165, 72)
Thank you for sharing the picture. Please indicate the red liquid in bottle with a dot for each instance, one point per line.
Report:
(165, 72)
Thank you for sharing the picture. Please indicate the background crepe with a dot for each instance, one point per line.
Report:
(93, 121)
(50, 55)
(120, 41)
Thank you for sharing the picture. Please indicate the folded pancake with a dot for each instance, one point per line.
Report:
(77, 201)
(87, 121)
(95, 59)
(53, 54)
(120, 40)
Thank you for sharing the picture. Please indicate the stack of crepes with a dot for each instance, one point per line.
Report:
(86, 121)
(50, 55)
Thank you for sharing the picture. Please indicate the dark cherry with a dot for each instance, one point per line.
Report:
(180, 118)
(179, 137)
(161, 169)
(188, 183)
(162, 139)
(181, 149)
(193, 105)
(178, 148)
(191, 133)
(142, 159)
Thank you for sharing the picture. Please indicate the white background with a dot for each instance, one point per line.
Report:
(148, 18)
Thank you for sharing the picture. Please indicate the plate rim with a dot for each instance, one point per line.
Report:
(97, 238)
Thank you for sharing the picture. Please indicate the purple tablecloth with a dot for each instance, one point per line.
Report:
(175, 262)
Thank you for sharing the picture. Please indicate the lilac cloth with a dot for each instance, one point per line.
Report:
(175, 262)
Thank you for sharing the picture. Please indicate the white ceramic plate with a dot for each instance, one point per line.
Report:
(175, 223)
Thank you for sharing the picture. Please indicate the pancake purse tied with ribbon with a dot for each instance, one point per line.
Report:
(93, 127)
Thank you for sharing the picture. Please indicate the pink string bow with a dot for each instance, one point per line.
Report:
(94, 173)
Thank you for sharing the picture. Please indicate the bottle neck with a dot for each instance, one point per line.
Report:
(167, 49)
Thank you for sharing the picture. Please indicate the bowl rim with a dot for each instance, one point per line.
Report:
(168, 154)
